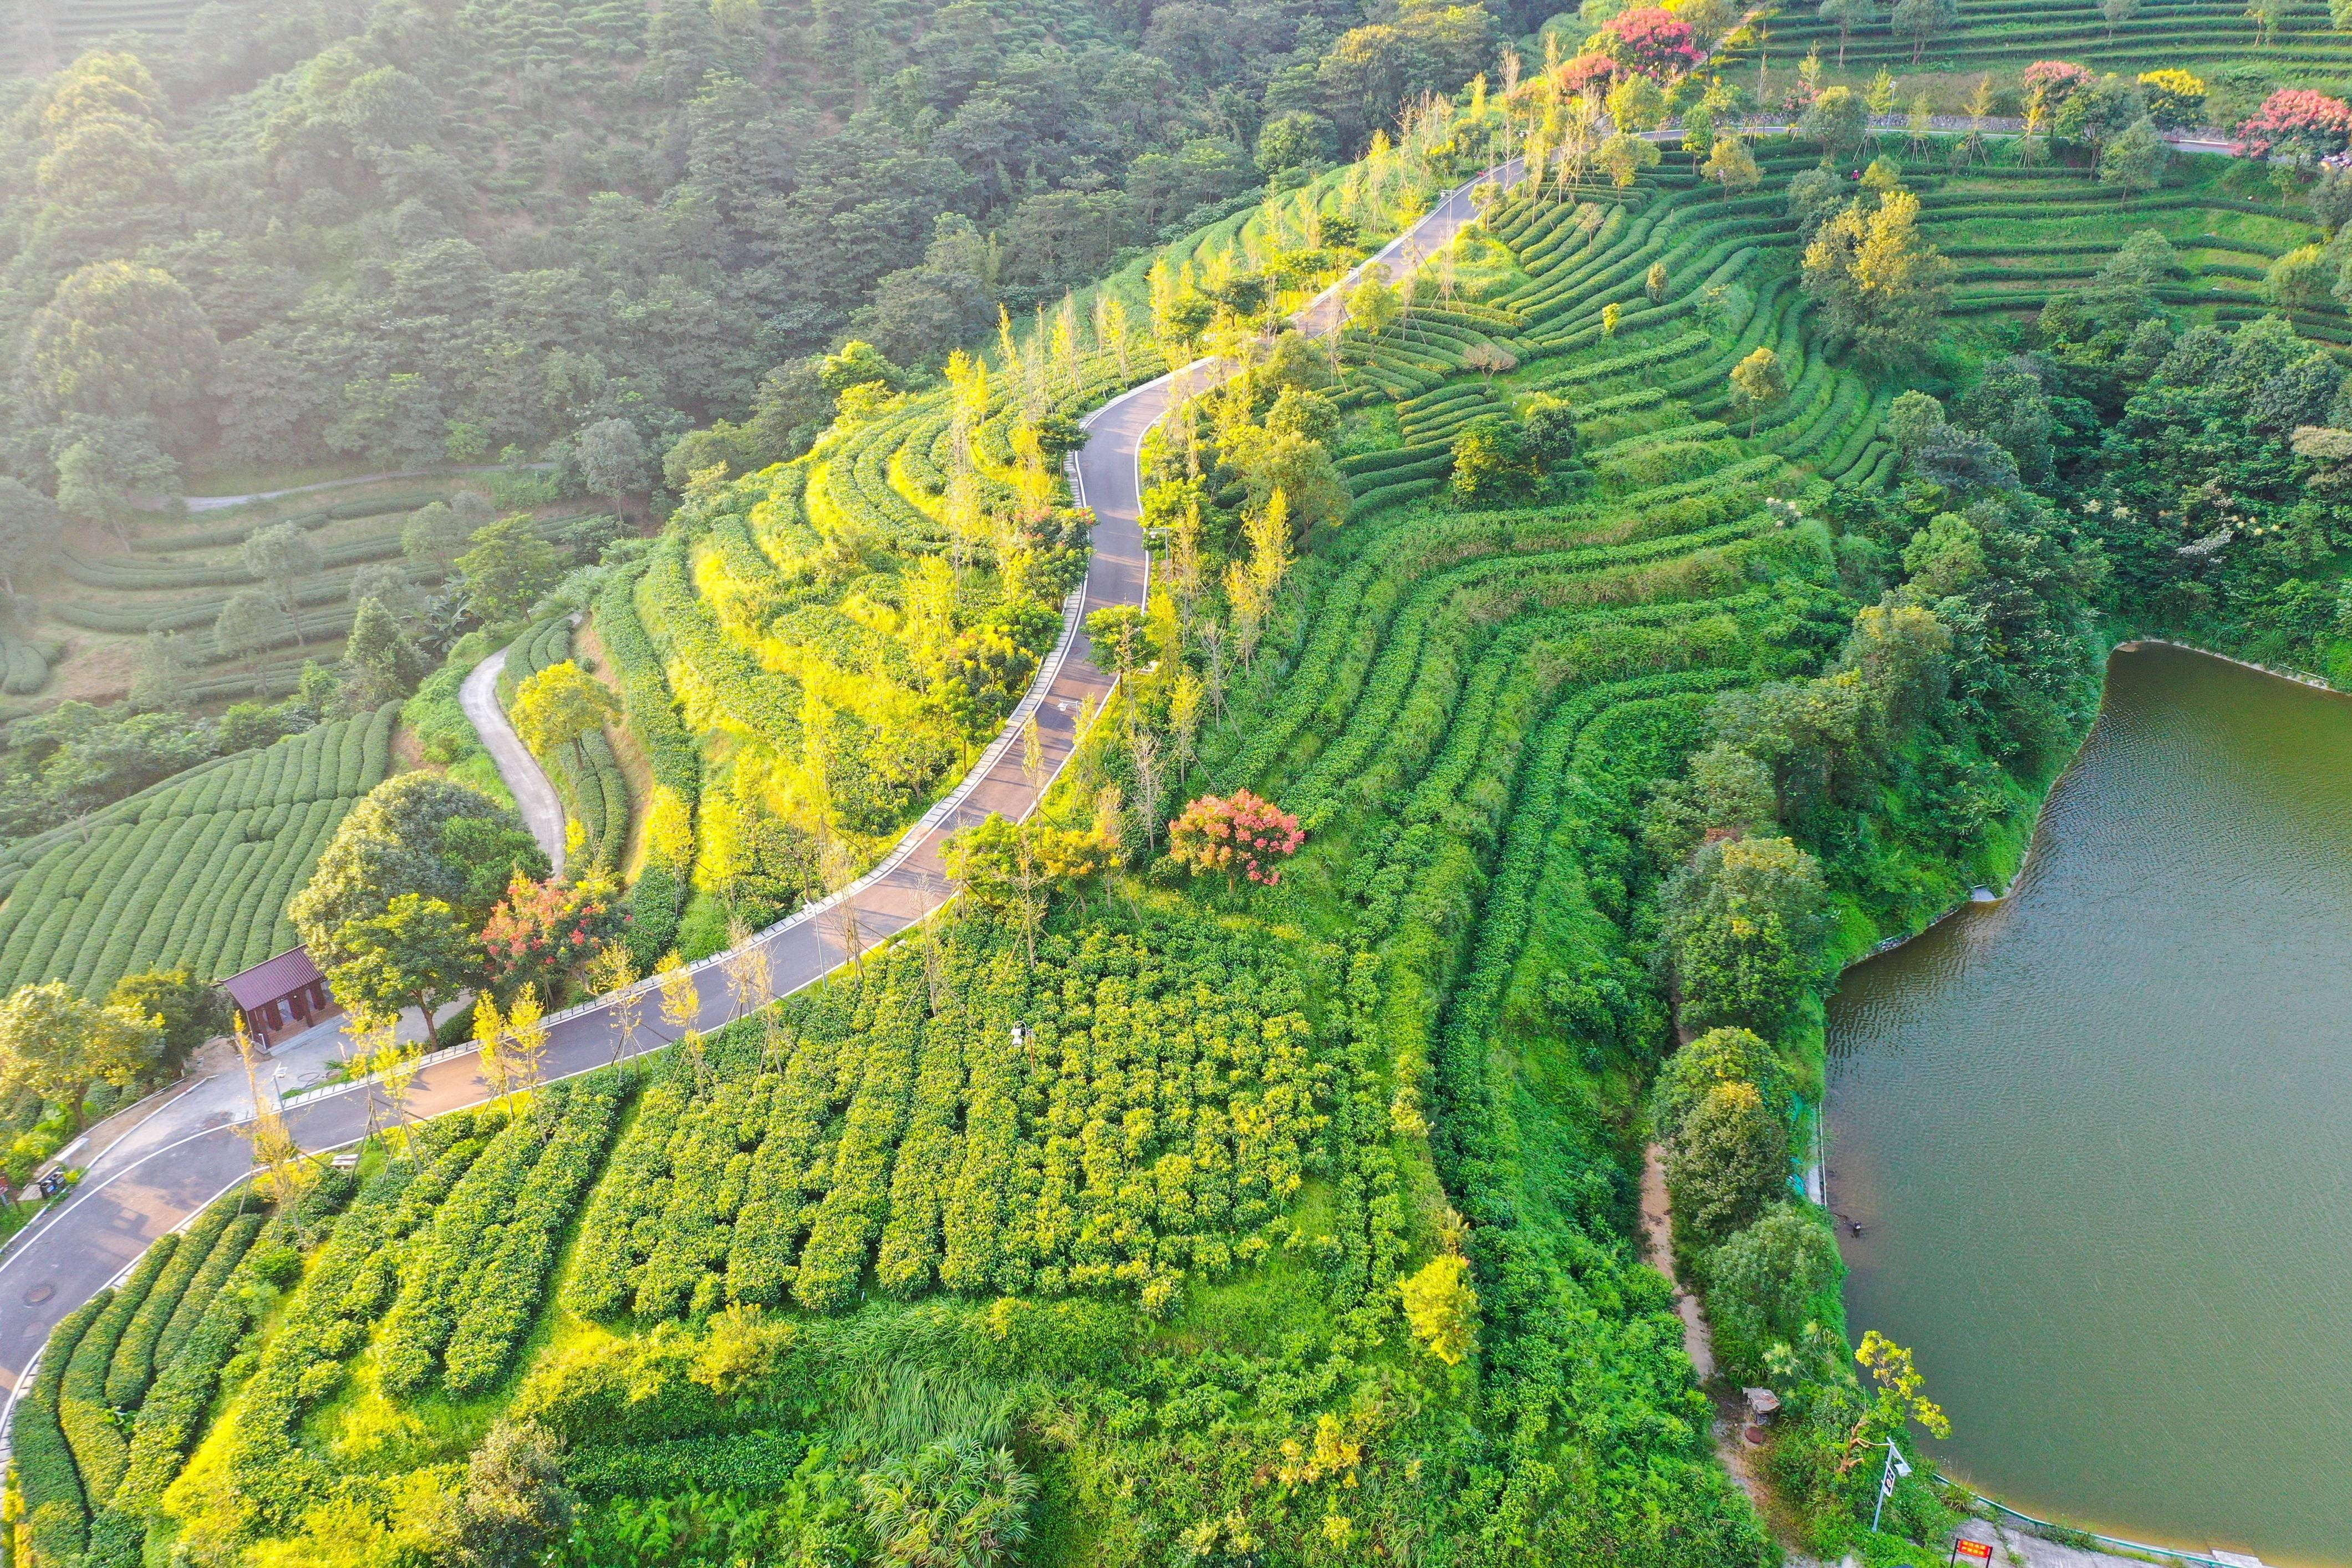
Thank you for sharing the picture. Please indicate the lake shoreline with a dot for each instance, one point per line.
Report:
(2134, 703)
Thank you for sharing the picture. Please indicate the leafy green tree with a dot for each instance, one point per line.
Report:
(1764, 1282)
(2116, 13)
(382, 664)
(1295, 140)
(2304, 276)
(1727, 1163)
(1845, 16)
(388, 584)
(1269, 461)
(1882, 285)
(508, 567)
(434, 535)
(1636, 104)
(1757, 382)
(2330, 197)
(57, 1044)
(1724, 787)
(2137, 159)
(955, 1504)
(1743, 925)
(1372, 305)
(414, 833)
(1548, 426)
(513, 1505)
(117, 339)
(612, 457)
(283, 557)
(1837, 120)
(1717, 1057)
(2098, 111)
(1912, 418)
(30, 524)
(1492, 465)
(1731, 164)
(558, 705)
(413, 955)
(1623, 156)
(248, 622)
(1922, 22)
(2008, 405)
(1815, 195)
(186, 1011)
(106, 463)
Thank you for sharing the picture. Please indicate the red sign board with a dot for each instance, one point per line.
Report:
(1971, 1552)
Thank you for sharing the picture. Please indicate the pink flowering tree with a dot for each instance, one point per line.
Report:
(543, 931)
(2055, 81)
(1241, 836)
(2297, 122)
(1653, 41)
(1587, 74)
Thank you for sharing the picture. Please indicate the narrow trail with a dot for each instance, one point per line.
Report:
(1699, 1341)
(534, 791)
(123, 1205)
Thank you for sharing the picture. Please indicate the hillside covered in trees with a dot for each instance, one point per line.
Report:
(1687, 576)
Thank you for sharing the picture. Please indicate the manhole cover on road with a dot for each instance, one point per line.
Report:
(40, 1293)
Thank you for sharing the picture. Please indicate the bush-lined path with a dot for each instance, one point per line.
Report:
(74, 1252)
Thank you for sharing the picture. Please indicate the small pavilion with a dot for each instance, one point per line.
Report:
(280, 998)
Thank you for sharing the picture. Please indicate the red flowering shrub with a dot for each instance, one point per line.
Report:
(543, 931)
(1587, 74)
(1651, 40)
(2297, 122)
(1239, 835)
(2055, 81)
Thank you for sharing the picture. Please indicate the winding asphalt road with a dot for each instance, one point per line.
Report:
(75, 1250)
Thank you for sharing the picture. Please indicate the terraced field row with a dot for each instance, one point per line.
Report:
(585, 772)
(2010, 34)
(1636, 306)
(196, 871)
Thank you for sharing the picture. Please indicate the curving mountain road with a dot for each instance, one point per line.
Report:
(75, 1250)
(535, 798)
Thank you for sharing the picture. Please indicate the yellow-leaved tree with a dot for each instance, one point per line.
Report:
(1442, 1306)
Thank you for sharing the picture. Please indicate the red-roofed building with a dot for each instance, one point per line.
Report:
(281, 996)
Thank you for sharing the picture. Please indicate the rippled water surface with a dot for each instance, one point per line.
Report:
(2100, 1134)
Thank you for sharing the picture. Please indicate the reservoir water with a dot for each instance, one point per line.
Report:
(2100, 1133)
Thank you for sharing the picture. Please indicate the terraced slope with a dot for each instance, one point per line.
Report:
(193, 871)
(177, 578)
(2009, 35)
(1655, 388)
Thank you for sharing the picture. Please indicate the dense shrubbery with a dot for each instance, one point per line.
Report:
(783, 1177)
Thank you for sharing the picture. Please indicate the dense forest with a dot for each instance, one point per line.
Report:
(415, 234)
(1688, 576)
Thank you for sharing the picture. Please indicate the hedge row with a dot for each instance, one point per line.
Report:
(197, 871)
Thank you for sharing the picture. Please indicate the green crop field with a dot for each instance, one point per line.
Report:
(1643, 608)
(2006, 35)
(179, 576)
(194, 872)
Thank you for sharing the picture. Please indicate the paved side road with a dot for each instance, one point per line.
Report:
(534, 793)
(125, 1203)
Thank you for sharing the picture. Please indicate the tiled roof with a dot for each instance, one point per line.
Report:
(272, 978)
